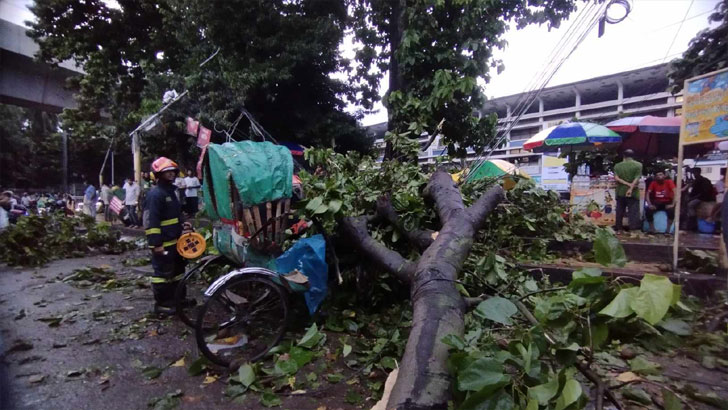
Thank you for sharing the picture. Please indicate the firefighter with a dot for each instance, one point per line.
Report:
(164, 225)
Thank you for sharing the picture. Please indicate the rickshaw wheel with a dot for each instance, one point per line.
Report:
(193, 286)
(242, 320)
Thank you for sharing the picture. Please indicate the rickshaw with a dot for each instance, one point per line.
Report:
(243, 313)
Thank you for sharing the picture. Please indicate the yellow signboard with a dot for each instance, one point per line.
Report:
(705, 108)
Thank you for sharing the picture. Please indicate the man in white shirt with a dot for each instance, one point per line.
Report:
(192, 185)
(179, 182)
(131, 199)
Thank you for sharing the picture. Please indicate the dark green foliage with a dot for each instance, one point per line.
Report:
(706, 53)
(435, 52)
(35, 239)
(275, 59)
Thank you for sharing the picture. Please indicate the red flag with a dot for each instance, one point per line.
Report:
(192, 126)
(203, 138)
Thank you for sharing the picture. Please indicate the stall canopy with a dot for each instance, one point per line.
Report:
(495, 168)
(649, 136)
(573, 135)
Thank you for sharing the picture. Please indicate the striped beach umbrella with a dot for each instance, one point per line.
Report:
(573, 135)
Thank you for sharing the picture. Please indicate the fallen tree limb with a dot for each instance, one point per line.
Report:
(420, 238)
(391, 261)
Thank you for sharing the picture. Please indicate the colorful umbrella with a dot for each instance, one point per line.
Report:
(495, 168)
(647, 124)
(649, 136)
(582, 135)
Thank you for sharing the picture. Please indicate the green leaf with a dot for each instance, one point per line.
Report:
(653, 299)
(586, 273)
(643, 366)
(608, 250)
(346, 350)
(677, 326)
(676, 291)
(198, 366)
(270, 399)
(335, 205)
(315, 203)
(637, 395)
(532, 405)
(388, 362)
(300, 356)
(619, 307)
(490, 397)
(454, 341)
(570, 394)
(311, 338)
(285, 367)
(497, 309)
(321, 209)
(151, 372)
(671, 401)
(334, 377)
(246, 375)
(544, 392)
(481, 373)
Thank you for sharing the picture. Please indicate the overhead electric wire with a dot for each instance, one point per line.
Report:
(587, 19)
(678, 30)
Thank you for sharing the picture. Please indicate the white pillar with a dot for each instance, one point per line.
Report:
(577, 102)
(620, 96)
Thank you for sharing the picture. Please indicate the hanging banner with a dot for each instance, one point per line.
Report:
(705, 108)
(203, 138)
(192, 126)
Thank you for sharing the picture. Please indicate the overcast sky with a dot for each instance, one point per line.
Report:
(643, 39)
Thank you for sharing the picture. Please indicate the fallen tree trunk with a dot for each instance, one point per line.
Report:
(438, 308)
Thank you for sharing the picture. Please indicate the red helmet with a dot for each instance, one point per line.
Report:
(162, 164)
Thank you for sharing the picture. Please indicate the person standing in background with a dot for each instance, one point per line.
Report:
(90, 197)
(105, 198)
(179, 183)
(131, 200)
(627, 173)
(192, 185)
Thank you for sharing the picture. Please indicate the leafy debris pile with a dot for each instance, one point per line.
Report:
(37, 239)
(102, 277)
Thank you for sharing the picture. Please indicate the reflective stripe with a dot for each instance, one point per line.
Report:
(170, 243)
(152, 231)
(155, 279)
(168, 222)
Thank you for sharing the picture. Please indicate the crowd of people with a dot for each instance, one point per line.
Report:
(95, 200)
(702, 199)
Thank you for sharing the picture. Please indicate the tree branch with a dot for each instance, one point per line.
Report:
(420, 238)
(446, 195)
(388, 259)
(479, 210)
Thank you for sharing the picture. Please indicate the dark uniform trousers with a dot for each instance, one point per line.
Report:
(162, 220)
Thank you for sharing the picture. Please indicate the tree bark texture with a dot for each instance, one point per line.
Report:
(423, 381)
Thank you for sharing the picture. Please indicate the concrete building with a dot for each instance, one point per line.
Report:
(600, 99)
(27, 82)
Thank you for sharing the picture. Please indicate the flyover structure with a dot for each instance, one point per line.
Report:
(29, 83)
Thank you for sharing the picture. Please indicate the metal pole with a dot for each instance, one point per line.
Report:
(137, 152)
(676, 241)
(64, 160)
(112, 168)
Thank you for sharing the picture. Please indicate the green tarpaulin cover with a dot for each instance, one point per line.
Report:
(260, 171)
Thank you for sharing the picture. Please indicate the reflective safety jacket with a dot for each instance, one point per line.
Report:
(162, 216)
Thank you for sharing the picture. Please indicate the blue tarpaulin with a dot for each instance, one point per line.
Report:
(308, 255)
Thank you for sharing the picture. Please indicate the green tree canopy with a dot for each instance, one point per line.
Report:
(276, 58)
(435, 52)
(706, 52)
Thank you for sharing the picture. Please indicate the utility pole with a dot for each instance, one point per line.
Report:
(64, 160)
